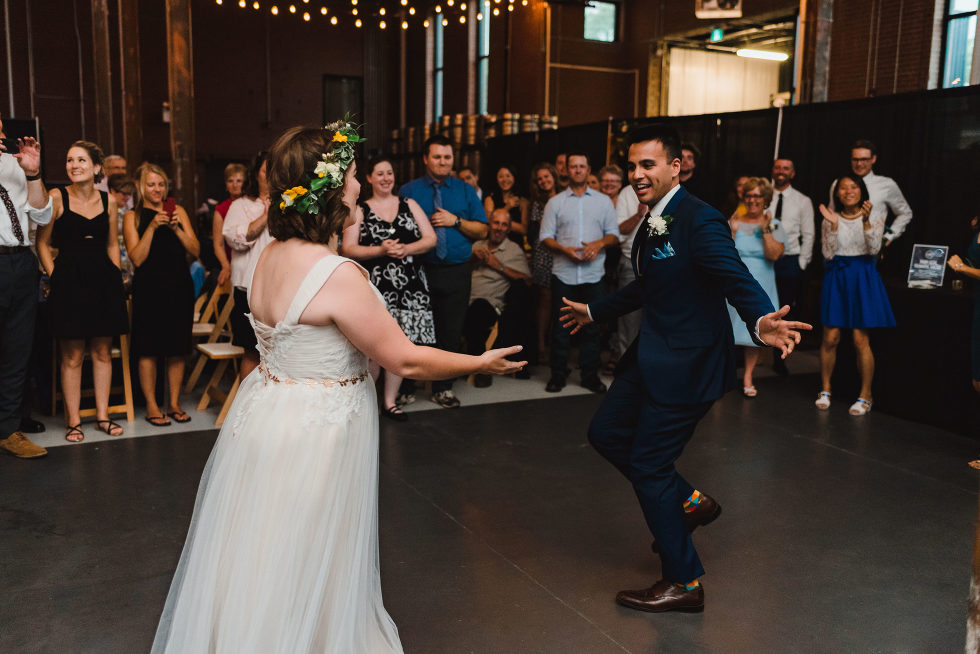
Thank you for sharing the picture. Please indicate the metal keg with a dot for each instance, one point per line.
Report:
(511, 123)
(530, 122)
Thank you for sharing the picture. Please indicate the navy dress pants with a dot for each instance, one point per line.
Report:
(643, 439)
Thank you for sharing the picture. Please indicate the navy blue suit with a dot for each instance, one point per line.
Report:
(682, 361)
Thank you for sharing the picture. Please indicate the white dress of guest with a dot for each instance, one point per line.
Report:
(293, 478)
(884, 195)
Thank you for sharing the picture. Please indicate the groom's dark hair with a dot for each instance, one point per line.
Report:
(669, 139)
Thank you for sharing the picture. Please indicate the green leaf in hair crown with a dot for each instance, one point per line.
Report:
(328, 173)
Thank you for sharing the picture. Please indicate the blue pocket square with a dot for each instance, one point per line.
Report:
(666, 252)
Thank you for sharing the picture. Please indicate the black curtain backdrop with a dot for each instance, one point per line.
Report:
(929, 142)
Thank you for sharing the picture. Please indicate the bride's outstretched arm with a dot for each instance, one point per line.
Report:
(348, 300)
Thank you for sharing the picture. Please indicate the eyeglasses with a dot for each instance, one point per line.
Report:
(752, 196)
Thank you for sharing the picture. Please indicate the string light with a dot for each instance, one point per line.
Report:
(404, 24)
(496, 12)
(510, 7)
(357, 23)
(450, 2)
(425, 23)
(445, 22)
(443, 12)
(479, 16)
(438, 9)
(353, 12)
(382, 11)
(411, 11)
(292, 9)
(462, 6)
(462, 20)
(306, 16)
(323, 11)
(333, 20)
(255, 5)
(275, 10)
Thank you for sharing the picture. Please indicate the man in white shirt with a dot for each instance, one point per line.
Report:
(629, 212)
(23, 200)
(883, 191)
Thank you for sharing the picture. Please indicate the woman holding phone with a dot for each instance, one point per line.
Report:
(159, 237)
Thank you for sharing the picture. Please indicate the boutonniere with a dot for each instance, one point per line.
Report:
(659, 225)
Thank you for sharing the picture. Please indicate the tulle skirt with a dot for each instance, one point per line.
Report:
(282, 552)
(854, 296)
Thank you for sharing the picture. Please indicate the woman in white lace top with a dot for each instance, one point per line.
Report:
(853, 294)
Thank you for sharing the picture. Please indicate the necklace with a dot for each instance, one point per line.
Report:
(851, 216)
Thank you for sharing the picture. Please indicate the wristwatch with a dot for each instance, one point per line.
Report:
(458, 222)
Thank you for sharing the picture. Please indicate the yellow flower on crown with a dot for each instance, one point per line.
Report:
(339, 138)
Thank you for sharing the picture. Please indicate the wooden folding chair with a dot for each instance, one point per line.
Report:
(223, 353)
(218, 330)
(206, 309)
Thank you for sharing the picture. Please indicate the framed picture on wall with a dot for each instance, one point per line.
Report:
(718, 8)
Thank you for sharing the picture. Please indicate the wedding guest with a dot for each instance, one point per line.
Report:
(971, 268)
(159, 237)
(458, 217)
(593, 181)
(793, 212)
(736, 207)
(23, 202)
(113, 164)
(690, 156)
(611, 182)
(245, 230)
(504, 196)
(122, 189)
(499, 294)
(883, 192)
(853, 294)
(234, 182)
(630, 213)
(86, 303)
(469, 176)
(544, 186)
(561, 165)
(389, 235)
(759, 244)
(579, 223)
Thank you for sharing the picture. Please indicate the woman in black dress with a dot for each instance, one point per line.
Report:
(159, 238)
(387, 236)
(970, 267)
(504, 196)
(87, 301)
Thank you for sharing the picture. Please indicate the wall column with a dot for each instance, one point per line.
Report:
(180, 74)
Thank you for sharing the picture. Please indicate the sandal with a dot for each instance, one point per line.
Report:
(109, 427)
(158, 421)
(395, 413)
(749, 391)
(860, 408)
(179, 416)
(823, 400)
(74, 434)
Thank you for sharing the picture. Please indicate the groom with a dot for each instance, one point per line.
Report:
(682, 361)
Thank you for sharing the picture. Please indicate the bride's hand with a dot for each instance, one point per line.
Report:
(493, 362)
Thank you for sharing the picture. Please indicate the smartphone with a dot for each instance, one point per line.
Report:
(10, 145)
(170, 207)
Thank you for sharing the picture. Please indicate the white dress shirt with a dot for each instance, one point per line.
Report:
(626, 207)
(797, 223)
(572, 220)
(885, 195)
(244, 253)
(15, 181)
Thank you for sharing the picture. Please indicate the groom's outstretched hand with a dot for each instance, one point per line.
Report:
(781, 334)
(574, 315)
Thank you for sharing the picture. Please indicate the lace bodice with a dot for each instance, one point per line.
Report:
(291, 352)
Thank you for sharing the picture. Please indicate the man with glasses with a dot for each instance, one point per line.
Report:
(884, 193)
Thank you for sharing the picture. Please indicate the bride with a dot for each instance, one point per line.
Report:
(282, 551)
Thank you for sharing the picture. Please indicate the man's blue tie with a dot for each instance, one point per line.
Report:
(442, 242)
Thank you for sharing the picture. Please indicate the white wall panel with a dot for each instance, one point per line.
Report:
(704, 82)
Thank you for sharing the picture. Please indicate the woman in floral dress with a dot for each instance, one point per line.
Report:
(388, 236)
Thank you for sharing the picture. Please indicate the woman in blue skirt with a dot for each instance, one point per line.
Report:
(853, 295)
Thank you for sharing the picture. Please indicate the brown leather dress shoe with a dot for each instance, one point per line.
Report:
(18, 445)
(663, 596)
(706, 512)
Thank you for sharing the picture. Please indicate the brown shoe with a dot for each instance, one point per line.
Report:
(18, 445)
(663, 596)
(706, 512)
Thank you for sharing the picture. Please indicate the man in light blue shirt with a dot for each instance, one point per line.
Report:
(578, 224)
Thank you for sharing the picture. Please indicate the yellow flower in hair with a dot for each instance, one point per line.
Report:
(339, 138)
(282, 206)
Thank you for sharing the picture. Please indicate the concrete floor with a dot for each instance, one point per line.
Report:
(503, 532)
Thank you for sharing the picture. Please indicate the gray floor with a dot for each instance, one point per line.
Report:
(503, 532)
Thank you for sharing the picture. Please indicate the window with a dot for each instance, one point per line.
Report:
(601, 19)
(961, 31)
(437, 69)
(482, 64)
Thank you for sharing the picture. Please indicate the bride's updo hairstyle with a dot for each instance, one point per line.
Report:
(290, 161)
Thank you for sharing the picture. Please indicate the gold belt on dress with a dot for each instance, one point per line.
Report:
(328, 383)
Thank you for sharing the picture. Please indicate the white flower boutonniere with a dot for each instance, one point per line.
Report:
(659, 225)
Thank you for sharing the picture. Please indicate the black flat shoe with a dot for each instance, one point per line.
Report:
(394, 413)
(555, 384)
(31, 426)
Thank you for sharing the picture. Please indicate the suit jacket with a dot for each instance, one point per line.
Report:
(685, 348)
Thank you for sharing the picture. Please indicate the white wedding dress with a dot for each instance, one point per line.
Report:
(282, 552)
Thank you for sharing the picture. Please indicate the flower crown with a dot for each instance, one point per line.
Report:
(328, 173)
